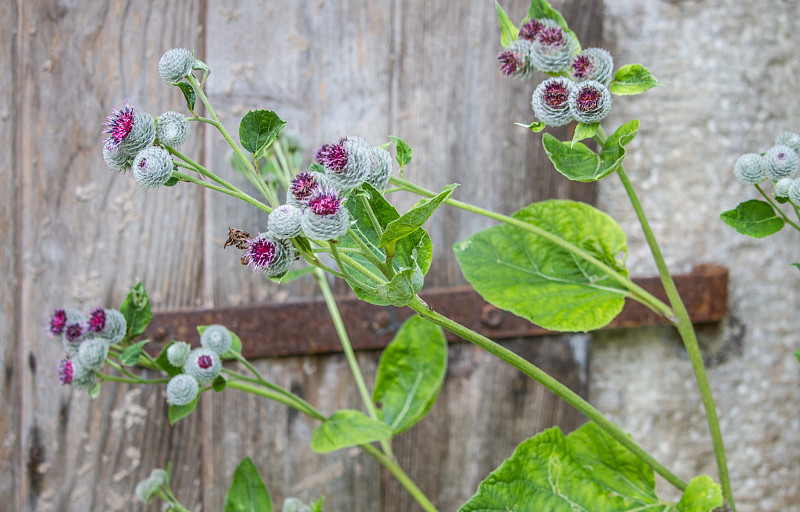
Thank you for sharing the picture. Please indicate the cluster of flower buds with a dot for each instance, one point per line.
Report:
(200, 366)
(780, 164)
(86, 339)
(558, 101)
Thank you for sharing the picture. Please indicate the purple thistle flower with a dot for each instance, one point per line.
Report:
(530, 30)
(510, 62)
(325, 202)
(332, 156)
(303, 185)
(119, 125)
(555, 94)
(582, 67)
(65, 371)
(58, 322)
(588, 99)
(551, 36)
(260, 253)
(205, 362)
(97, 320)
(73, 333)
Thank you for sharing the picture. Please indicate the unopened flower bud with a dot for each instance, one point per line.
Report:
(380, 168)
(284, 221)
(61, 318)
(590, 101)
(592, 64)
(347, 163)
(790, 139)
(550, 101)
(326, 218)
(173, 129)
(92, 354)
(175, 65)
(152, 167)
(515, 60)
(115, 328)
(552, 49)
(129, 131)
(116, 159)
(217, 338)
(146, 489)
(203, 364)
(782, 187)
(82, 378)
(178, 353)
(182, 389)
(794, 192)
(750, 169)
(782, 162)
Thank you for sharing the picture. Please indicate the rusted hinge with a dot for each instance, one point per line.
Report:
(304, 327)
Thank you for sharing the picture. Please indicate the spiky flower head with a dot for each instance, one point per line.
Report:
(750, 169)
(269, 255)
(152, 167)
(172, 129)
(380, 169)
(592, 64)
(790, 139)
(217, 338)
(782, 162)
(782, 187)
(97, 320)
(182, 389)
(178, 353)
(203, 364)
(794, 192)
(175, 65)
(61, 318)
(115, 327)
(74, 333)
(530, 29)
(82, 378)
(552, 49)
(347, 163)
(303, 186)
(284, 221)
(65, 371)
(115, 158)
(129, 131)
(590, 101)
(92, 354)
(515, 60)
(550, 101)
(326, 218)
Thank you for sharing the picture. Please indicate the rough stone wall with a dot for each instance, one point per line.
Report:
(730, 70)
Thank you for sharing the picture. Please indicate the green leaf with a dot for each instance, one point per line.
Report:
(297, 273)
(579, 163)
(797, 356)
(219, 384)
(584, 131)
(587, 471)
(130, 355)
(94, 391)
(536, 279)
(632, 79)
(541, 9)
(402, 288)
(403, 151)
(414, 218)
(535, 126)
(317, 505)
(754, 218)
(410, 373)
(508, 32)
(247, 492)
(172, 181)
(178, 412)
(163, 363)
(259, 129)
(347, 428)
(188, 94)
(136, 310)
(702, 495)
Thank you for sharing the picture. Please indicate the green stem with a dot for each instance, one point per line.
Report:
(550, 383)
(202, 170)
(637, 292)
(777, 208)
(295, 402)
(239, 195)
(134, 380)
(401, 477)
(687, 333)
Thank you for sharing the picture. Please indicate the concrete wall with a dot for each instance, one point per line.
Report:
(729, 69)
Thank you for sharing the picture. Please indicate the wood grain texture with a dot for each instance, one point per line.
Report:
(88, 234)
(10, 352)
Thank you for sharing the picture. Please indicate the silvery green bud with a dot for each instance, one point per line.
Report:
(217, 338)
(116, 327)
(116, 159)
(782, 187)
(750, 169)
(782, 162)
(550, 101)
(284, 221)
(347, 163)
(152, 167)
(146, 489)
(173, 129)
(159, 475)
(182, 389)
(590, 101)
(790, 139)
(178, 353)
(294, 505)
(326, 218)
(794, 192)
(175, 65)
(142, 134)
(515, 60)
(592, 64)
(380, 169)
(552, 49)
(92, 354)
(82, 378)
(203, 364)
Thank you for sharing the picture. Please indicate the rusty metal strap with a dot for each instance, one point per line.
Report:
(304, 327)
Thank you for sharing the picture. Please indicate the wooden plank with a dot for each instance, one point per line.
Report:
(87, 234)
(10, 341)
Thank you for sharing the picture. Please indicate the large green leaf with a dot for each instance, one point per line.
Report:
(754, 218)
(188, 94)
(534, 278)
(702, 495)
(410, 373)
(178, 412)
(247, 492)
(632, 79)
(346, 428)
(579, 163)
(136, 310)
(414, 218)
(585, 471)
(130, 355)
(259, 129)
(508, 32)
